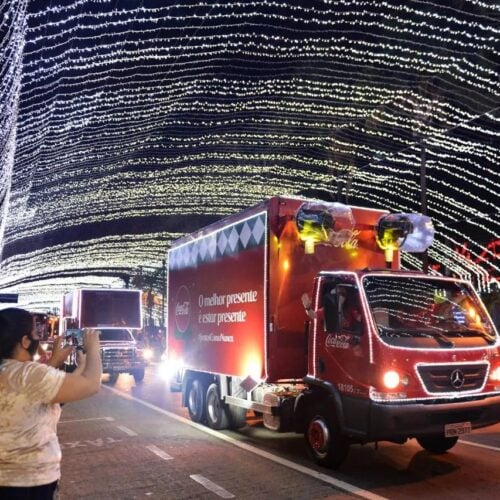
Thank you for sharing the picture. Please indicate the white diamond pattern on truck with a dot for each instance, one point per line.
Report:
(227, 241)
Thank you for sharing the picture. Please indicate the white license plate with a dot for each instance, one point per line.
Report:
(452, 430)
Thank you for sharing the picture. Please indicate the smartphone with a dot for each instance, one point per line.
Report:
(74, 337)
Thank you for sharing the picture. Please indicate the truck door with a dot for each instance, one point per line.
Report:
(342, 338)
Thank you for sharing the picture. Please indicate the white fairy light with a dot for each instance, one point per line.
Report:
(134, 121)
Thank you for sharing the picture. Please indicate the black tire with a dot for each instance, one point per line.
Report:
(325, 444)
(138, 375)
(237, 417)
(196, 401)
(216, 410)
(113, 377)
(176, 382)
(437, 444)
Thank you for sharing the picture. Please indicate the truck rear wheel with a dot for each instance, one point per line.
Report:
(217, 412)
(437, 444)
(196, 401)
(237, 417)
(325, 444)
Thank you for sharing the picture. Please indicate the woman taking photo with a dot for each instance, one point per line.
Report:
(30, 393)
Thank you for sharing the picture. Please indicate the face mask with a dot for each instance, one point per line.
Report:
(33, 347)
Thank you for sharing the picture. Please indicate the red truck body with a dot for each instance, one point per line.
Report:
(237, 321)
(103, 308)
(115, 313)
(240, 304)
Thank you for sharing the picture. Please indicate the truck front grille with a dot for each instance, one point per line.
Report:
(453, 378)
(117, 356)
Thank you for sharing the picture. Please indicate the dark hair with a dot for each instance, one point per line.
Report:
(14, 325)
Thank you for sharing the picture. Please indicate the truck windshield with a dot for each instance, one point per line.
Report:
(443, 313)
(120, 334)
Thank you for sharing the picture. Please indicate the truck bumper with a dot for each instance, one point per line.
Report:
(374, 421)
(122, 368)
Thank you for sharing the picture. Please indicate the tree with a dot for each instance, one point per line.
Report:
(152, 282)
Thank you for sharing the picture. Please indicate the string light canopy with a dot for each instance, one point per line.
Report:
(127, 124)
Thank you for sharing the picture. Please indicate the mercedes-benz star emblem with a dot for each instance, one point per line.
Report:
(457, 379)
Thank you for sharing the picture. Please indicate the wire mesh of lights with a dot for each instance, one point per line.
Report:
(120, 116)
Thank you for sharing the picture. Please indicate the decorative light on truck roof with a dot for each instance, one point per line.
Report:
(409, 232)
(328, 223)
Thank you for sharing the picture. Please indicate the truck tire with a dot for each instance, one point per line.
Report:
(216, 411)
(325, 444)
(437, 444)
(138, 375)
(196, 401)
(237, 417)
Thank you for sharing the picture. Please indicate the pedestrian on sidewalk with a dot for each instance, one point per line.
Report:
(30, 394)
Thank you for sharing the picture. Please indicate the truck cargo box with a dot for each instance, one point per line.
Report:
(235, 287)
(103, 308)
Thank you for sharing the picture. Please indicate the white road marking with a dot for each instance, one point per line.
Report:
(89, 442)
(109, 419)
(479, 445)
(158, 452)
(211, 486)
(337, 483)
(126, 430)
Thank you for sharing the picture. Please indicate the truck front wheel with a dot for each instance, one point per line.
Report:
(138, 375)
(217, 414)
(437, 444)
(196, 401)
(325, 444)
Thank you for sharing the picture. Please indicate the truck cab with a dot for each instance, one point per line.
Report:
(121, 353)
(421, 363)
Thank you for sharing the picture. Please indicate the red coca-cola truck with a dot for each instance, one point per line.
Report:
(296, 309)
(117, 314)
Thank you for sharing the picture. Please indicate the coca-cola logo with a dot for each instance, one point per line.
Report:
(337, 341)
(344, 238)
(182, 309)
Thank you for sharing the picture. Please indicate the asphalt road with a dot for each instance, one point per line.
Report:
(135, 441)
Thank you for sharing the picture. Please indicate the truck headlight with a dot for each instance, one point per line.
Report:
(495, 374)
(391, 379)
(147, 353)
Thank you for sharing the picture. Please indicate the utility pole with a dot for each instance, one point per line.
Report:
(423, 115)
(423, 195)
(163, 293)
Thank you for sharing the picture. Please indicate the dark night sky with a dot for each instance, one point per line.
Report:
(140, 121)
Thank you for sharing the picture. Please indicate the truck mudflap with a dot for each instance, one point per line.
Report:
(373, 421)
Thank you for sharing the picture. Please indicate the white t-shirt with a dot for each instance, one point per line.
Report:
(29, 450)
